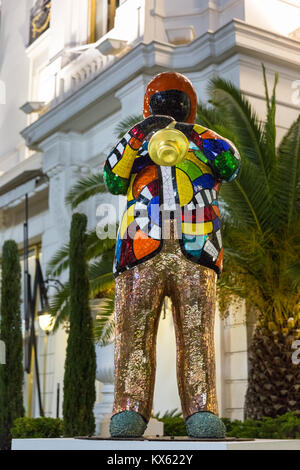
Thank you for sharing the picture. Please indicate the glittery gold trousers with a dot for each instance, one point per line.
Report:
(140, 292)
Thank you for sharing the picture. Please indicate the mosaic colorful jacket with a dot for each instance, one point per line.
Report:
(189, 190)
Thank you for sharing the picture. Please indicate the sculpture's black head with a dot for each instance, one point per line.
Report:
(174, 103)
(171, 94)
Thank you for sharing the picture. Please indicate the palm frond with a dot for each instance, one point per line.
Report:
(207, 115)
(100, 274)
(293, 272)
(59, 261)
(85, 188)
(213, 118)
(269, 133)
(287, 182)
(104, 326)
(127, 123)
(102, 265)
(59, 305)
(175, 413)
(241, 119)
(243, 198)
(105, 335)
(95, 247)
(101, 283)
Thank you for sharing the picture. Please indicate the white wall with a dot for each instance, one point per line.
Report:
(278, 16)
(14, 68)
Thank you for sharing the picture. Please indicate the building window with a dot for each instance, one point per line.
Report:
(102, 14)
(39, 19)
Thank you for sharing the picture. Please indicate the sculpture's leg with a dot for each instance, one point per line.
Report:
(194, 298)
(139, 296)
(194, 313)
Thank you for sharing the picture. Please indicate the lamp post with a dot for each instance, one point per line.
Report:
(46, 324)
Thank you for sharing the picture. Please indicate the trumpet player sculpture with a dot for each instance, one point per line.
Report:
(169, 244)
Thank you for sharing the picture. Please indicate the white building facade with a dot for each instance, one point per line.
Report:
(78, 67)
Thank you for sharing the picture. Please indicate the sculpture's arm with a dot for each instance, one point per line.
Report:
(119, 163)
(216, 151)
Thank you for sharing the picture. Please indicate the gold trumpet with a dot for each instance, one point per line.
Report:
(168, 147)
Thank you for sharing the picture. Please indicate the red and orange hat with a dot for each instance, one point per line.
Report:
(171, 81)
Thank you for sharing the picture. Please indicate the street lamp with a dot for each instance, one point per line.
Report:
(46, 323)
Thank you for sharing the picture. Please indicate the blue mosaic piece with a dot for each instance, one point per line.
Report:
(213, 147)
(194, 244)
(216, 224)
(141, 162)
(203, 182)
(118, 248)
(154, 211)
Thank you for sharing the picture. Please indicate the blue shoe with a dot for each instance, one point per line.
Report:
(205, 424)
(127, 424)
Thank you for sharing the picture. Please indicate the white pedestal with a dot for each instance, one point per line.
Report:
(154, 428)
(115, 445)
(105, 374)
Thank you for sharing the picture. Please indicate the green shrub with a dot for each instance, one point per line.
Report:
(286, 426)
(26, 428)
(173, 426)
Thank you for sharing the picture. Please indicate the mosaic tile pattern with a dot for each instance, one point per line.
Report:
(189, 191)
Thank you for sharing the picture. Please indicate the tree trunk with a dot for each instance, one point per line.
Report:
(273, 380)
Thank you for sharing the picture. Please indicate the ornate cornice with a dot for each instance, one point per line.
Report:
(235, 38)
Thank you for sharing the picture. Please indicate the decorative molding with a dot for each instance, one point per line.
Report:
(30, 164)
(54, 171)
(211, 48)
(16, 196)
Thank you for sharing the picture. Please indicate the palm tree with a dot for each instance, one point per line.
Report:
(261, 233)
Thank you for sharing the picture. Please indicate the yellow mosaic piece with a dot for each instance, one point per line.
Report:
(199, 129)
(129, 192)
(124, 166)
(196, 160)
(197, 228)
(185, 187)
(128, 217)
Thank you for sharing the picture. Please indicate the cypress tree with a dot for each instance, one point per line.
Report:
(11, 373)
(80, 364)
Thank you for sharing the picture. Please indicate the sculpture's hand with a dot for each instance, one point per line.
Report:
(154, 123)
(219, 153)
(185, 128)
